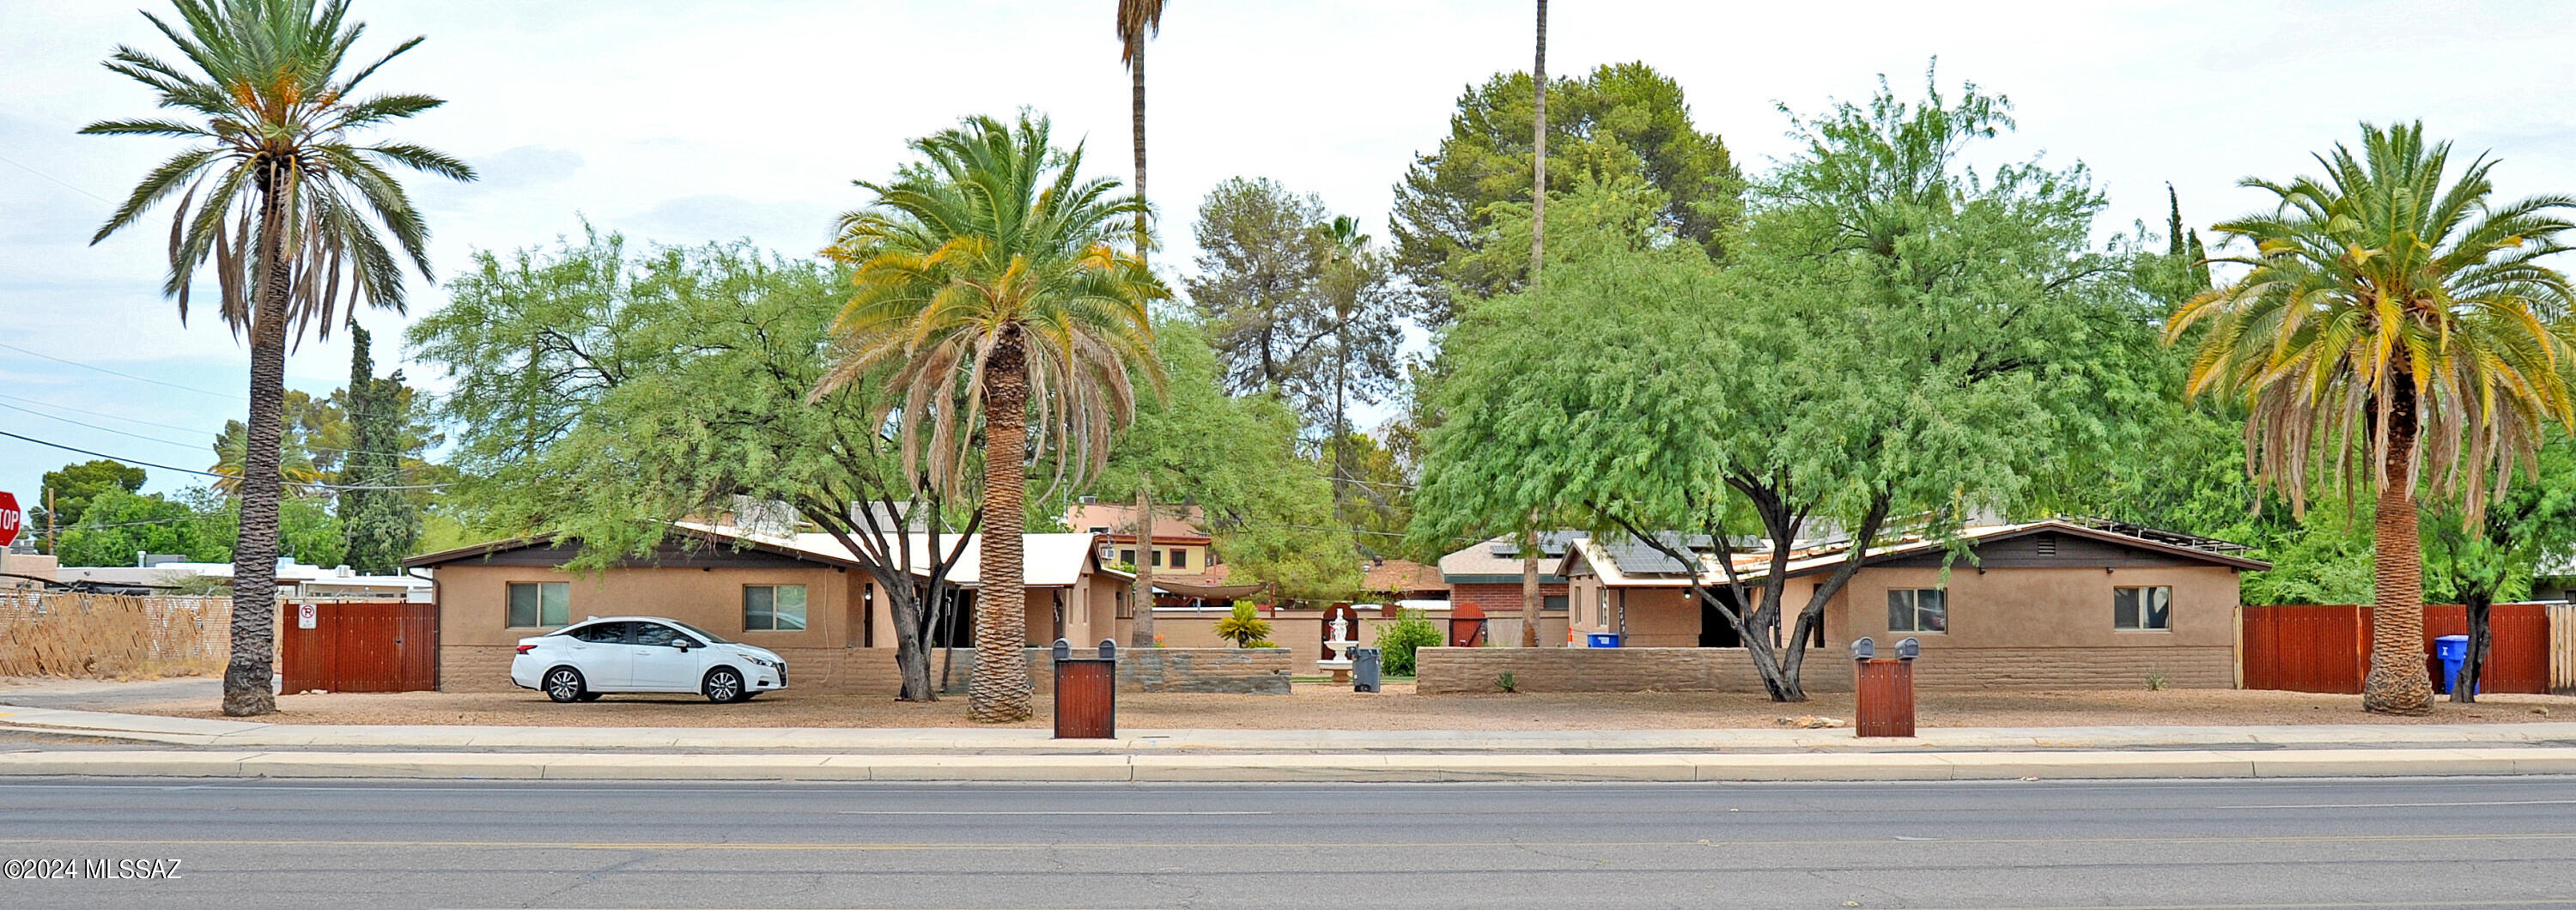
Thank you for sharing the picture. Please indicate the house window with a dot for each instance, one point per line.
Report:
(773, 608)
(1180, 559)
(1918, 610)
(1127, 556)
(1158, 557)
(540, 604)
(2143, 609)
(1553, 603)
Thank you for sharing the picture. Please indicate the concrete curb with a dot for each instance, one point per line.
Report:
(1409, 768)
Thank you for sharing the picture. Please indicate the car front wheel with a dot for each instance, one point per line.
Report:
(563, 684)
(724, 684)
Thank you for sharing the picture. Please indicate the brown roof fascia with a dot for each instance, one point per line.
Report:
(1919, 546)
(462, 554)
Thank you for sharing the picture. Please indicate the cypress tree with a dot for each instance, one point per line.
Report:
(380, 524)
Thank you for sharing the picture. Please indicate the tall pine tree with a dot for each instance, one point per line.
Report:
(381, 524)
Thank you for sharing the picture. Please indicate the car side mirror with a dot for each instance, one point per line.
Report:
(680, 643)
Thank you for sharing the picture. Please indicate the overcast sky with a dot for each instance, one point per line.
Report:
(684, 122)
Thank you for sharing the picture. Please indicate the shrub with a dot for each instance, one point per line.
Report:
(1396, 641)
(1246, 628)
(1507, 682)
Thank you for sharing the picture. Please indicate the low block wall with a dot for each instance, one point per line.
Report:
(1235, 671)
(2179, 667)
(1461, 670)
(1455, 670)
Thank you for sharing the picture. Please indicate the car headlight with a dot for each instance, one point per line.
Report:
(763, 661)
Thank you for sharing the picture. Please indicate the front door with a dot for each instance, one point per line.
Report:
(1714, 630)
(659, 667)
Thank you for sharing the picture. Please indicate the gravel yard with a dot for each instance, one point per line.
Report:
(1320, 706)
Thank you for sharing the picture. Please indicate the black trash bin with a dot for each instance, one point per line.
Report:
(1364, 669)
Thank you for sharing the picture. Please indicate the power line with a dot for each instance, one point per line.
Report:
(64, 407)
(169, 442)
(125, 375)
(164, 467)
(59, 182)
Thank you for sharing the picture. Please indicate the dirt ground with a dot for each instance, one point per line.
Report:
(1337, 708)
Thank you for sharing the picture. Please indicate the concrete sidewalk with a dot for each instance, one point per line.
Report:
(248, 749)
(1354, 768)
(256, 736)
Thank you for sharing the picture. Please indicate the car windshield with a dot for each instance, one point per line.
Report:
(702, 634)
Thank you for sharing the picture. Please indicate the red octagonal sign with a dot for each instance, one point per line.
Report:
(10, 519)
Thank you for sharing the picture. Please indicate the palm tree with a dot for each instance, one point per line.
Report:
(287, 207)
(1531, 598)
(2386, 316)
(991, 276)
(1138, 20)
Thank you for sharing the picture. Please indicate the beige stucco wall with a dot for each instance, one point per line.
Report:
(2025, 627)
(2041, 608)
(473, 601)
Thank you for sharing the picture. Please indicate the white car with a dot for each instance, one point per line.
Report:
(602, 655)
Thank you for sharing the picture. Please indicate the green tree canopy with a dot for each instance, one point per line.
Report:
(687, 375)
(1294, 308)
(1902, 341)
(1270, 512)
(70, 490)
(1620, 119)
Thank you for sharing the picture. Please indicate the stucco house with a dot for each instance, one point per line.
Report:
(1487, 573)
(799, 595)
(2056, 603)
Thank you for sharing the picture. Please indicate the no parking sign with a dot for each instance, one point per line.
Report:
(305, 615)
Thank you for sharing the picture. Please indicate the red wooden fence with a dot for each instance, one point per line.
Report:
(359, 646)
(2326, 648)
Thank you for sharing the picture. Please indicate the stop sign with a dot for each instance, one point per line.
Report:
(10, 519)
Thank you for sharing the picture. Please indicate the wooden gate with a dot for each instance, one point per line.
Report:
(2305, 648)
(2326, 648)
(359, 646)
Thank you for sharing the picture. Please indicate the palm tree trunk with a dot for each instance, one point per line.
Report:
(1000, 691)
(1538, 141)
(2397, 683)
(1136, 116)
(247, 670)
(1142, 631)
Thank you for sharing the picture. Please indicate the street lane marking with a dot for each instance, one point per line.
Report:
(2498, 802)
(1052, 812)
(1355, 845)
(2444, 902)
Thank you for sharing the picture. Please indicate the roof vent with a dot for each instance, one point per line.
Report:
(2047, 544)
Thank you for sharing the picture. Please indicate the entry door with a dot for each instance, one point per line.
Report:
(1714, 630)
(660, 667)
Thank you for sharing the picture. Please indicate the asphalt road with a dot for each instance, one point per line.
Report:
(2508, 842)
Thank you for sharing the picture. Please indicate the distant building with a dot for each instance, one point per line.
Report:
(294, 579)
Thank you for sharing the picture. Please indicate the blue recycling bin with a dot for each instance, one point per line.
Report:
(2453, 652)
(1601, 640)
